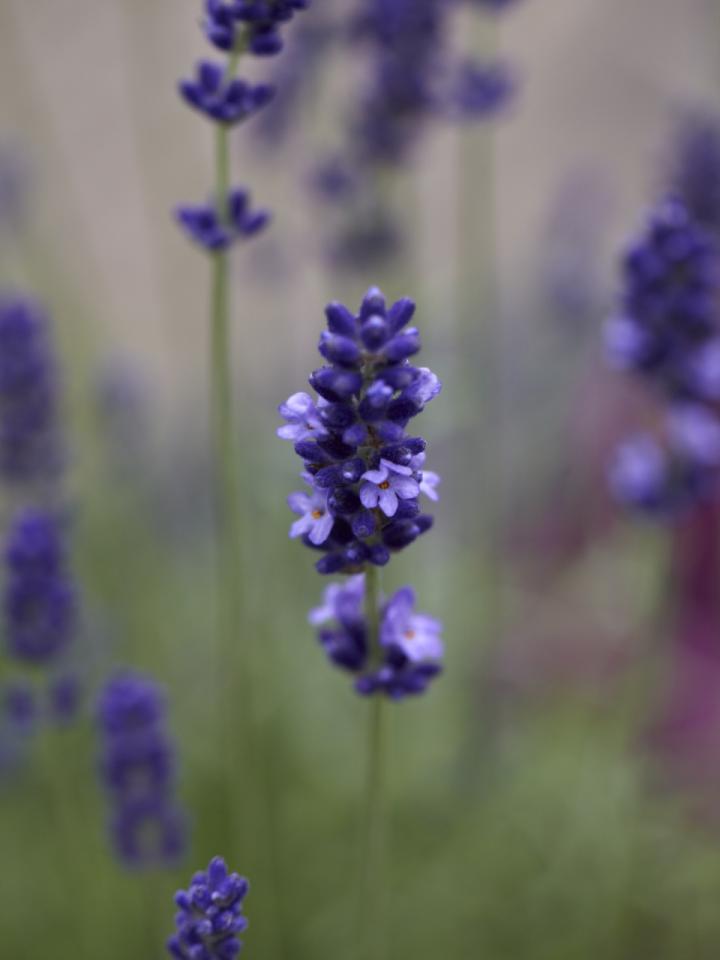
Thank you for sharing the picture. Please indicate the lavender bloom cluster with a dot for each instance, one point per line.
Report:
(252, 26)
(364, 472)
(366, 476)
(210, 916)
(413, 76)
(29, 440)
(138, 769)
(410, 644)
(668, 333)
(39, 599)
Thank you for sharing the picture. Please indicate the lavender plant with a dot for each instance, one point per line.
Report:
(210, 916)
(234, 28)
(668, 333)
(138, 769)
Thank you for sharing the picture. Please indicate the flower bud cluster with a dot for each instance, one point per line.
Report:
(365, 473)
(668, 333)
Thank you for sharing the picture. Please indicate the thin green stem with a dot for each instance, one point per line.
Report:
(371, 908)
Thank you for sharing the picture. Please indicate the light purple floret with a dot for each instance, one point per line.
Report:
(386, 485)
(429, 480)
(353, 588)
(315, 519)
(416, 634)
(303, 419)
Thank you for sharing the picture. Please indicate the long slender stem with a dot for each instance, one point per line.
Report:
(371, 909)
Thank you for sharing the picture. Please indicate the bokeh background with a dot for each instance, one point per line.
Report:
(537, 805)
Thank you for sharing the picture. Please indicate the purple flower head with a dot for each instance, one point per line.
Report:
(208, 229)
(639, 475)
(387, 485)
(29, 440)
(408, 650)
(39, 600)
(139, 772)
(363, 466)
(303, 419)
(479, 91)
(227, 102)
(210, 916)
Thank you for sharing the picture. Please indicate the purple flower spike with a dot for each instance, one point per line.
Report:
(386, 485)
(204, 225)
(210, 916)
(229, 102)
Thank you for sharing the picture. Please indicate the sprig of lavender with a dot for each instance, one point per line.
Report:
(210, 916)
(138, 769)
(235, 28)
(365, 475)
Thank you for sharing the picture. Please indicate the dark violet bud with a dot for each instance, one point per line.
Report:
(424, 522)
(364, 524)
(328, 477)
(372, 303)
(336, 449)
(330, 563)
(403, 345)
(340, 320)
(337, 416)
(400, 377)
(339, 349)
(400, 313)
(479, 91)
(205, 227)
(398, 453)
(400, 534)
(138, 770)
(356, 553)
(356, 435)
(402, 409)
(374, 331)
(39, 600)
(311, 452)
(407, 509)
(210, 915)
(353, 469)
(334, 385)
(342, 501)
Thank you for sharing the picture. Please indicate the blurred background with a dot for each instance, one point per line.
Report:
(555, 794)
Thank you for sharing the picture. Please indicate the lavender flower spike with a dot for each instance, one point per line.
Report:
(210, 916)
(139, 772)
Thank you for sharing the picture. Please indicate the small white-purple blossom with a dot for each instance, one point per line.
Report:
(428, 479)
(416, 634)
(303, 419)
(315, 519)
(353, 586)
(386, 485)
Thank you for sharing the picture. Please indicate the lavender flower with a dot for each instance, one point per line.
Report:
(227, 102)
(478, 90)
(29, 440)
(668, 332)
(210, 915)
(39, 599)
(410, 647)
(365, 473)
(208, 229)
(138, 769)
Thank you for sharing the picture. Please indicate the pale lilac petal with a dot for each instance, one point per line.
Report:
(376, 476)
(296, 407)
(405, 487)
(396, 468)
(388, 502)
(428, 483)
(369, 495)
(301, 526)
(299, 502)
(321, 529)
(290, 431)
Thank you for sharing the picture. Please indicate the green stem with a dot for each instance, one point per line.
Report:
(371, 902)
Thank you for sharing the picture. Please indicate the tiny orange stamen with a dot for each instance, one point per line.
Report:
(384, 485)
(409, 634)
(316, 514)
